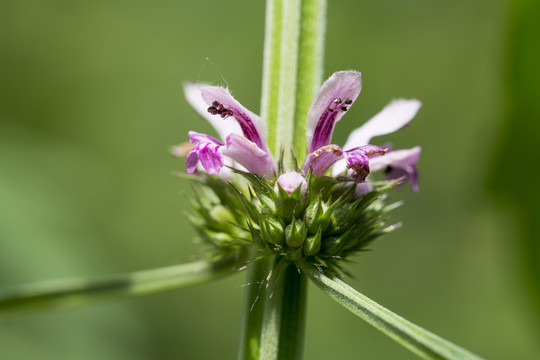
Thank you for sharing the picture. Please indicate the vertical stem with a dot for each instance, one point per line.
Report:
(270, 81)
(292, 70)
(294, 308)
(282, 332)
(310, 67)
(250, 332)
(290, 33)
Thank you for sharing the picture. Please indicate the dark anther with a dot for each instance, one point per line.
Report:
(217, 108)
(348, 101)
(337, 100)
(330, 110)
(388, 169)
(344, 108)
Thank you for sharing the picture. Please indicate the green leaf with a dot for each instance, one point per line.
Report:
(78, 292)
(420, 341)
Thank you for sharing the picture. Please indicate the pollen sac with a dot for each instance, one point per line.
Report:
(218, 109)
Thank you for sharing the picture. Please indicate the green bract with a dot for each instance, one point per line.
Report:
(322, 225)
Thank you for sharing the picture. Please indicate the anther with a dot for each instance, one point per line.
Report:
(337, 101)
(348, 101)
(344, 108)
(330, 110)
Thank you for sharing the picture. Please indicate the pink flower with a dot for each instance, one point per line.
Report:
(243, 135)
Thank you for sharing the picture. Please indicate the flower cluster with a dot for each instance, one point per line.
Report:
(299, 213)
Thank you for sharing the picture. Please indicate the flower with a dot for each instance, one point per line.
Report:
(297, 213)
(242, 144)
(290, 181)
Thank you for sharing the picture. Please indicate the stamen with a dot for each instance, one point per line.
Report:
(348, 101)
(327, 149)
(218, 109)
(330, 110)
(337, 101)
(344, 108)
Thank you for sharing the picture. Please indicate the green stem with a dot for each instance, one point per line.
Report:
(418, 340)
(310, 67)
(77, 292)
(270, 81)
(292, 70)
(252, 317)
(282, 333)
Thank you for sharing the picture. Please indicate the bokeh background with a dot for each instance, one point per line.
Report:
(91, 100)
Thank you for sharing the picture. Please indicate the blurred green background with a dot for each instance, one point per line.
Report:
(91, 100)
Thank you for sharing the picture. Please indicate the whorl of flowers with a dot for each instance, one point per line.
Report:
(245, 198)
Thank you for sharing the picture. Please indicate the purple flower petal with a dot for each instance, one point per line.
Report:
(192, 160)
(222, 105)
(249, 155)
(207, 151)
(321, 159)
(208, 154)
(290, 181)
(334, 98)
(357, 160)
(195, 137)
(393, 117)
(399, 163)
(211, 158)
(223, 127)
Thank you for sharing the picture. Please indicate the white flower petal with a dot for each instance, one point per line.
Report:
(393, 117)
(223, 127)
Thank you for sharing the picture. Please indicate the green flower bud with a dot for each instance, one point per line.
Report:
(272, 231)
(312, 244)
(313, 214)
(295, 233)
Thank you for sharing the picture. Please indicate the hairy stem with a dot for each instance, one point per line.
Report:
(78, 292)
(310, 67)
(292, 70)
(282, 333)
(252, 313)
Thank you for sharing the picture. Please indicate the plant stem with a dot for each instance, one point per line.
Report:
(292, 70)
(282, 332)
(270, 81)
(78, 292)
(252, 317)
(310, 67)
(274, 312)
